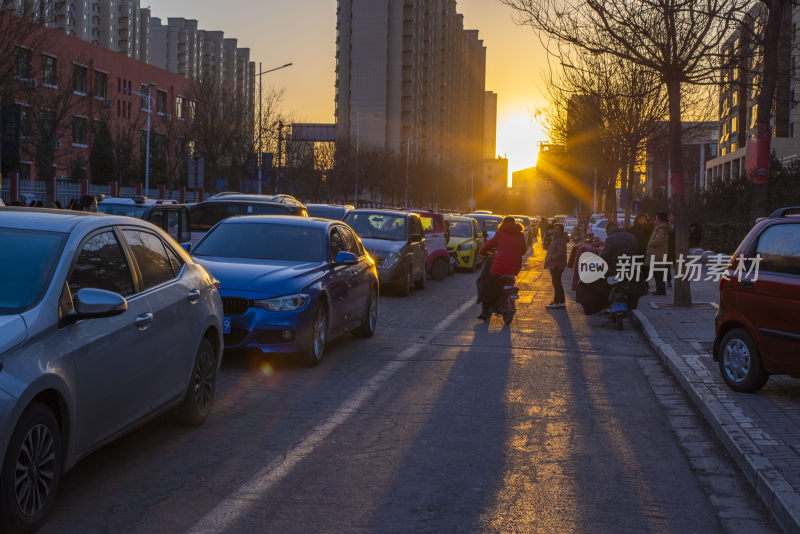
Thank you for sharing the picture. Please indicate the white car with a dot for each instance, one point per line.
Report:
(598, 229)
(569, 225)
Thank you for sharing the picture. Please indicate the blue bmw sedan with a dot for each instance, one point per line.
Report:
(290, 285)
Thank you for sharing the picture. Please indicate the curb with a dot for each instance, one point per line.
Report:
(777, 495)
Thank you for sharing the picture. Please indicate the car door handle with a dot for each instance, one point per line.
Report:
(194, 296)
(144, 321)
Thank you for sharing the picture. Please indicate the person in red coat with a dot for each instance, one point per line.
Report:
(509, 247)
(556, 262)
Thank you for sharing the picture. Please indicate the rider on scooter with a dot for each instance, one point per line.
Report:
(509, 246)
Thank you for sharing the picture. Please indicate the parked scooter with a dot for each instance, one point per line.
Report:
(618, 297)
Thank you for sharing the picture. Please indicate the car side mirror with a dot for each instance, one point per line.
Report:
(187, 246)
(345, 258)
(90, 303)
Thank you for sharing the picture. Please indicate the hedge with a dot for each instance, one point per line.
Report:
(724, 238)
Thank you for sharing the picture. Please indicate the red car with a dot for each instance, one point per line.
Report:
(758, 323)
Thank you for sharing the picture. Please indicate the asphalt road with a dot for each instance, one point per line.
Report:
(440, 423)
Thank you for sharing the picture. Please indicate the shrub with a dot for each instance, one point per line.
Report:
(724, 238)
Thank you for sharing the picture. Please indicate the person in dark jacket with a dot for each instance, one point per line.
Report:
(556, 262)
(695, 235)
(618, 243)
(509, 247)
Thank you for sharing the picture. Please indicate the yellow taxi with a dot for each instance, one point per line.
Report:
(466, 239)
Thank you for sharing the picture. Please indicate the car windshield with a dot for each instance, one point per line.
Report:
(126, 210)
(326, 212)
(26, 273)
(460, 228)
(378, 226)
(489, 224)
(263, 241)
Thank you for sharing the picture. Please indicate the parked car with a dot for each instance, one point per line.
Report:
(2, 204)
(436, 236)
(396, 242)
(328, 211)
(204, 215)
(488, 223)
(598, 229)
(757, 333)
(168, 215)
(290, 285)
(466, 239)
(570, 223)
(105, 323)
(281, 198)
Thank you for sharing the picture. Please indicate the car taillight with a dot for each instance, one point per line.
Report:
(217, 285)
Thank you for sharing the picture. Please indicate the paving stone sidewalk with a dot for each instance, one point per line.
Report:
(760, 430)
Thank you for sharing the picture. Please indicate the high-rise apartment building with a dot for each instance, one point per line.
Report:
(409, 77)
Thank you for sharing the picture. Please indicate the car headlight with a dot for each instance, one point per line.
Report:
(287, 303)
(391, 260)
(465, 246)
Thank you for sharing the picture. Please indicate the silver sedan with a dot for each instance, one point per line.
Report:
(105, 323)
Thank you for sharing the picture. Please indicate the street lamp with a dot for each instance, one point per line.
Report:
(260, 134)
(149, 112)
(408, 160)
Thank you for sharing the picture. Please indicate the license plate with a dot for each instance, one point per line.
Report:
(226, 326)
(619, 307)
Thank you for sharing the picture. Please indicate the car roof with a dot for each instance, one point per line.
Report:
(483, 216)
(461, 218)
(229, 200)
(397, 213)
(140, 201)
(309, 222)
(54, 220)
(348, 206)
(280, 198)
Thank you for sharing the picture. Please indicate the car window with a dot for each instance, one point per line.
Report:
(266, 209)
(205, 217)
(175, 259)
(173, 223)
(350, 241)
(337, 243)
(157, 217)
(26, 267)
(101, 264)
(415, 225)
(779, 248)
(185, 225)
(427, 224)
(378, 225)
(154, 264)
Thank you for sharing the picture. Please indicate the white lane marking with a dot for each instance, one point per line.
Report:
(248, 495)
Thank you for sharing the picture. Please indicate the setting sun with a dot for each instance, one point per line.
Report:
(517, 137)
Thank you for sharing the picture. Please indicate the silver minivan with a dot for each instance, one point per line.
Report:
(105, 323)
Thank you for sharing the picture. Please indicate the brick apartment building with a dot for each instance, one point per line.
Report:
(64, 89)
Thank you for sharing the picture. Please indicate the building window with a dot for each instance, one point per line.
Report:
(79, 125)
(180, 110)
(145, 103)
(49, 70)
(79, 79)
(24, 122)
(161, 102)
(734, 124)
(100, 84)
(22, 63)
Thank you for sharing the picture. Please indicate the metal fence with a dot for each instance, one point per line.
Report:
(67, 191)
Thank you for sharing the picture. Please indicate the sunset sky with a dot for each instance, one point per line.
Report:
(304, 32)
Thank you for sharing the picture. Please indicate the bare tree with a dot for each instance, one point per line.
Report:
(676, 39)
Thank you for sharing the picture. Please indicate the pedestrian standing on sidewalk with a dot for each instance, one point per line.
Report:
(658, 248)
(556, 262)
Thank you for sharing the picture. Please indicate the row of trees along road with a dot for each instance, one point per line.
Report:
(676, 42)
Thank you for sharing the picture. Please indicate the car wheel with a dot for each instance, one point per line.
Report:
(199, 398)
(420, 284)
(405, 287)
(319, 336)
(31, 470)
(440, 269)
(740, 363)
(367, 328)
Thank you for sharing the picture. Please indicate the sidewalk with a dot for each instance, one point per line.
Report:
(760, 430)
